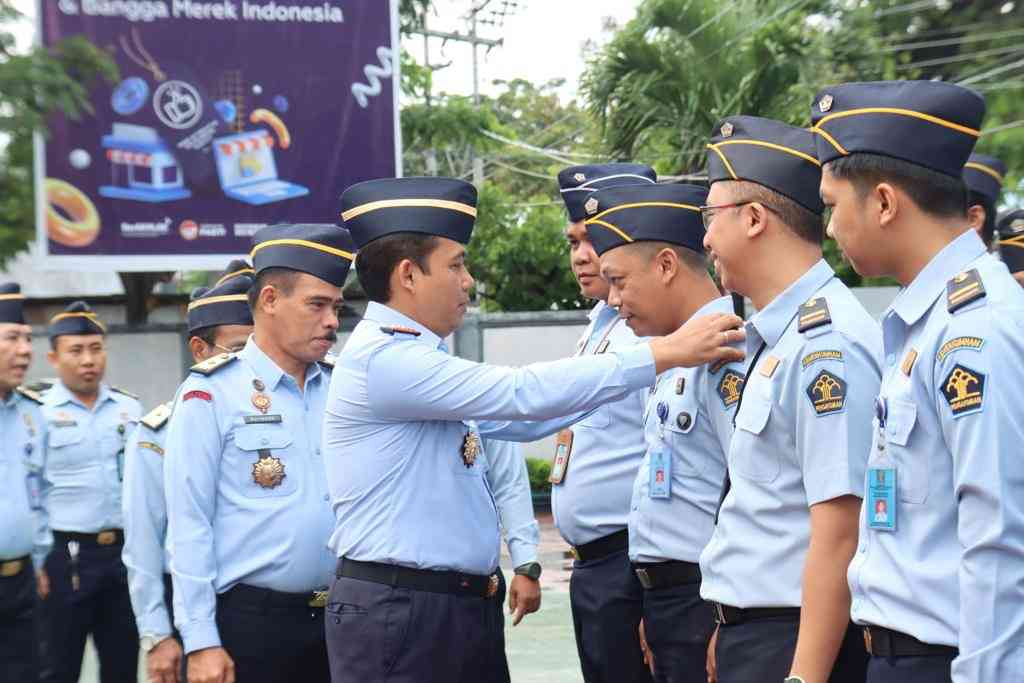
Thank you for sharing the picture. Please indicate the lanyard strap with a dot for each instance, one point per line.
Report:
(727, 484)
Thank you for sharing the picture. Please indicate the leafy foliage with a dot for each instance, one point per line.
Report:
(539, 470)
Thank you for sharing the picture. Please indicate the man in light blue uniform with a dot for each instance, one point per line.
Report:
(247, 506)
(651, 243)
(219, 321)
(88, 424)
(24, 533)
(597, 459)
(938, 575)
(983, 176)
(416, 528)
(787, 526)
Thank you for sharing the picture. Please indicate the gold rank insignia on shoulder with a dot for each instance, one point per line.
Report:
(813, 314)
(963, 289)
(125, 392)
(399, 329)
(157, 418)
(727, 130)
(31, 395)
(268, 471)
(825, 103)
(470, 449)
(579, 177)
(213, 364)
(590, 206)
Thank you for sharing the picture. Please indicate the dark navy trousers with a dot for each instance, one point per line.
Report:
(931, 669)
(607, 604)
(678, 626)
(18, 657)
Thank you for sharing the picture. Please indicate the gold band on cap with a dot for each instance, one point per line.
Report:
(228, 276)
(635, 205)
(357, 211)
(301, 243)
(771, 145)
(829, 139)
(91, 317)
(12, 297)
(728, 166)
(617, 231)
(900, 112)
(217, 300)
(1015, 241)
(985, 169)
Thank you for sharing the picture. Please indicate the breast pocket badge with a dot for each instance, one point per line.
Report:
(268, 472)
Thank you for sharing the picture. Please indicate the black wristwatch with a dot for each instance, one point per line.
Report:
(530, 569)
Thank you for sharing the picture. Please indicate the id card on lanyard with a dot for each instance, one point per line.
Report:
(880, 499)
(563, 442)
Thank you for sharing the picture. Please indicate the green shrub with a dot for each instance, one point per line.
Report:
(539, 470)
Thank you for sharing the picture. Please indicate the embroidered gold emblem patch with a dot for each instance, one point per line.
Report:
(827, 393)
(964, 390)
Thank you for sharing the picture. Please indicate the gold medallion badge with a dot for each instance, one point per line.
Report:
(268, 471)
(261, 402)
(470, 449)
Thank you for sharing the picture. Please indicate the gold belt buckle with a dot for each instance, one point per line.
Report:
(11, 568)
(867, 640)
(575, 553)
(106, 537)
(492, 586)
(319, 599)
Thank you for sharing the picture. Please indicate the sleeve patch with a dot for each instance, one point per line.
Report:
(151, 446)
(730, 386)
(964, 390)
(831, 354)
(827, 393)
(974, 343)
(196, 393)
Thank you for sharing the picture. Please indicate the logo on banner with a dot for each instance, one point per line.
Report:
(189, 230)
(177, 104)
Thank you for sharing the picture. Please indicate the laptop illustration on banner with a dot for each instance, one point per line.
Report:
(248, 171)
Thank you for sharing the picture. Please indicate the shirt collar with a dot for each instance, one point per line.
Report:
(266, 369)
(59, 394)
(771, 321)
(598, 309)
(917, 297)
(722, 304)
(385, 315)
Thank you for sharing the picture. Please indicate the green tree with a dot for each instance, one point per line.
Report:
(34, 85)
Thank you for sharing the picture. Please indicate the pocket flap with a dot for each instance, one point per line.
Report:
(753, 415)
(902, 415)
(64, 436)
(257, 437)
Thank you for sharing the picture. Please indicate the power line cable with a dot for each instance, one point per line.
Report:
(907, 7)
(992, 72)
(946, 42)
(754, 29)
(1014, 49)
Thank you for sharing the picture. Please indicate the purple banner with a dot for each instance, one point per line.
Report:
(228, 116)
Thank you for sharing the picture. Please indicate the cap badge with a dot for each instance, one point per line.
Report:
(590, 206)
(825, 103)
(579, 177)
(727, 130)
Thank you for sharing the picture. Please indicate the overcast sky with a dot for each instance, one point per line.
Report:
(543, 40)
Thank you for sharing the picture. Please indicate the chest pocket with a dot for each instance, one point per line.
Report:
(599, 419)
(752, 457)
(913, 469)
(64, 445)
(681, 437)
(264, 464)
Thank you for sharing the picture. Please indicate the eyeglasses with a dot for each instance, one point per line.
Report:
(235, 348)
(707, 212)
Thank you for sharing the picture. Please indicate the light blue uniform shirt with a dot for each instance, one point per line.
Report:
(23, 522)
(224, 528)
(952, 572)
(394, 435)
(695, 436)
(509, 481)
(801, 438)
(593, 499)
(145, 525)
(85, 457)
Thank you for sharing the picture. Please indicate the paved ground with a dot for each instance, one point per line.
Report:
(542, 649)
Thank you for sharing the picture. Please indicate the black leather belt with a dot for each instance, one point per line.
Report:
(655, 575)
(419, 579)
(105, 537)
(602, 547)
(12, 568)
(884, 642)
(724, 614)
(263, 598)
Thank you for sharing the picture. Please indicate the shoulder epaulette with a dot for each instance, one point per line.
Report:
(329, 361)
(813, 314)
(39, 386)
(212, 365)
(398, 329)
(158, 417)
(30, 394)
(125, 392)
(963, 289)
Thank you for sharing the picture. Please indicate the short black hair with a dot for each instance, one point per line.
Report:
(282, 278)
(207, 334)
(801, 221)
(988, 228)
(696, 262)
(377, 260)
(932, 192)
